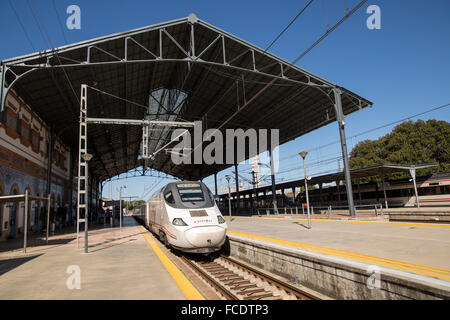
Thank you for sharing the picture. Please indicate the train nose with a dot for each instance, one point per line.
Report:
(209, 236)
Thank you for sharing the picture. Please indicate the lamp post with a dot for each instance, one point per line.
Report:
(120, 206)
(86, 157)
(303, 154)
(229, 195)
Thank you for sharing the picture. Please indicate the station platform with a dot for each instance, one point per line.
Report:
(119, 265)
(417, 248)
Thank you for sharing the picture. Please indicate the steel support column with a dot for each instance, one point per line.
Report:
(49, 172)
(25, 229)
(338, 183)
(2, 87)
(413, 175)
(90, 193)
(51, 146)
(238, 199)
(272, 176)
(321, 192)
(384, 191)
(71, 186)
(341, 124)
(215, 184)
(359, 190)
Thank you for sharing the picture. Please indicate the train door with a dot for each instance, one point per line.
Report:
(161, 209)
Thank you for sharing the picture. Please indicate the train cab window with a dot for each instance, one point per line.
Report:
(190, 192)
(211, 196)
(169, 197)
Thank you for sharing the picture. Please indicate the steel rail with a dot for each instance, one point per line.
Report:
(298, 292)
(223, 271)
(224, 291)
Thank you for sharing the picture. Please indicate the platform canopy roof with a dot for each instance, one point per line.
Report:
(376, 170)
(180, 70)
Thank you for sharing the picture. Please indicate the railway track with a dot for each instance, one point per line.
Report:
(235, 280)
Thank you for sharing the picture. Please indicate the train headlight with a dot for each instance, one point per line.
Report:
(220, 219)
(179, 222)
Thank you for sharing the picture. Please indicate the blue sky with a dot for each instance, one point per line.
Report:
(403, 68)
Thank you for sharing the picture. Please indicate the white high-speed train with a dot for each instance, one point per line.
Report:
(184, 215)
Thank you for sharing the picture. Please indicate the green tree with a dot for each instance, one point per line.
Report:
(408, 143)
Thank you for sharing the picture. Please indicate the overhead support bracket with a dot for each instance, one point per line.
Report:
(4, 90)
(136, 122)
(145, 141)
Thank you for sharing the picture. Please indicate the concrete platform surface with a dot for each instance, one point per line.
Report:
(119, 265)
(420, 248)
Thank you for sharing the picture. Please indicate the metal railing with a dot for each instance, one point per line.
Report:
(26, 198)
(378, 209)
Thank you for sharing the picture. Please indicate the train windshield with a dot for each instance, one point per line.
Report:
(190, 192)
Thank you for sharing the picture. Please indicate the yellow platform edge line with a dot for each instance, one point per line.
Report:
(345, 221)
(186, 287)
(390, 263)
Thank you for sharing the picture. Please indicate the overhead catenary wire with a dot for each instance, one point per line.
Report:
(373, 129)
(30, 4)
(21, 25)
(287, 27)
(36, 14)
(59, 22)
(119, 98)
(288, 67)
(325, 162)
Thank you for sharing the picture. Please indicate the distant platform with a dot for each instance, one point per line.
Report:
(119, 265)
(419, 248)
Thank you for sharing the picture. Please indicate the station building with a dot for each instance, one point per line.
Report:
(25, 141)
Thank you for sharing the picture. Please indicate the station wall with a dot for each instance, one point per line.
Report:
(24, 144)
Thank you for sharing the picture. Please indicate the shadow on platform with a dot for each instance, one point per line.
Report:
(301, 224)
(7, 265)
(113, 240)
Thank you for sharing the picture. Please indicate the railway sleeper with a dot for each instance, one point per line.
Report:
(213, 268)
(237, 281)
(261, 296)
(243, 286)
(252, 291)
(224, 272)
(226, 277)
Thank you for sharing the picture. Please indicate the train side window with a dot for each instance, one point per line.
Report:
(169, 197)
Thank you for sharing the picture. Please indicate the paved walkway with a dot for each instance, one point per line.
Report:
(416, 246)
(119, 265)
